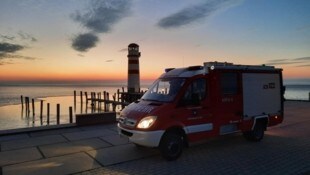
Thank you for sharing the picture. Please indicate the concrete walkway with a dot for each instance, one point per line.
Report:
(99, 150)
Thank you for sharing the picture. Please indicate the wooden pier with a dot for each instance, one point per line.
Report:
(98, 102)
(118, 99)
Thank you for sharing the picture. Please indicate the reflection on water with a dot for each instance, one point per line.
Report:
(16, 116)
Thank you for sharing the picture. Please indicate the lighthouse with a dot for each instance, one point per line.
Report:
(133, 84)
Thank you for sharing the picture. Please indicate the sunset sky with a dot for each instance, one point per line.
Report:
(76, 40)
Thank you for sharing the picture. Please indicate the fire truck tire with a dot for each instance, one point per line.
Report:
(171, 146)
(257, 134)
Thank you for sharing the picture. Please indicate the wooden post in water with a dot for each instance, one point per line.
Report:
(58, 114)
(92, 101)
(70, 114)
(41, 111)
(105, 100)
(74, 96)
(108, 98)
(86, 97)
(92, 98)
(33, 113)
(81, 96)
(22, 101)
(48, 114)
(32, 101)
(99, 98)
(114, 104)
(27, 106)
(118, 95)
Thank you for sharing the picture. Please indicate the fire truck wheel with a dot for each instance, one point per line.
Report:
(257, 134)
(171, 146)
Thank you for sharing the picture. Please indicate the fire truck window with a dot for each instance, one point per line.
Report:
(164, 90)
(195, 92)
(229, 84)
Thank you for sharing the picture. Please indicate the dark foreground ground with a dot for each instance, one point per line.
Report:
(98, 150)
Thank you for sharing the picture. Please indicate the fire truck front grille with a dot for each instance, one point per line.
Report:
(127, 121)
(129, 134)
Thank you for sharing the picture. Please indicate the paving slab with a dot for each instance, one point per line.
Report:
(113, 127)
(57, 165)
(73, 147)
(115, 139)
(13, 137)
(88, 134)
(122, 153)
(30, 142)
(55, 131)
(18, 156)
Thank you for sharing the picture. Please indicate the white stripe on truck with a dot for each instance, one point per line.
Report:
(199, 128)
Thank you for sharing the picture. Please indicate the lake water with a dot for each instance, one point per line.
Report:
(13, 116)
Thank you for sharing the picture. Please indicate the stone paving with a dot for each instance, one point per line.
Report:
(99, 150)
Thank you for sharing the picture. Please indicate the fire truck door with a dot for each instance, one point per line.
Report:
(193, 110)
(230, 103)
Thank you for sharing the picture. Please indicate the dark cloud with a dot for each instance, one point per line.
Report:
(102, 15)
(7, 37)
(298, 62)
(8, 51)
(10, 48)
(15, 56)
(109, 61)
(5, 63)
(195, 13)
(19, 37)
(4, 57)
(26, 36)
(99, 17)
(83, 42)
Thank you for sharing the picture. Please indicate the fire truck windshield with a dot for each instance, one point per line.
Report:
(164, 90)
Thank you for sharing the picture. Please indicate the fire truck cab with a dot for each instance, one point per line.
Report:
(190, 104)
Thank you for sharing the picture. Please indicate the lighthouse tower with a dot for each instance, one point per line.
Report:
(133, 68)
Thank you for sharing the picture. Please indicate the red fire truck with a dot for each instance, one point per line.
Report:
(185, 105)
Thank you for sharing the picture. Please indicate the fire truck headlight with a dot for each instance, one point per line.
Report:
(147, 122)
